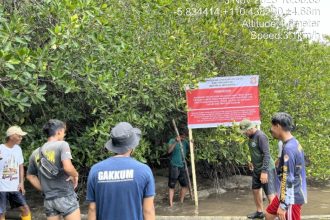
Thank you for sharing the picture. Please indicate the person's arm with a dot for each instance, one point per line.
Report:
(67, 164)
(32, 173)
(71, 171)
(148, 209)
(69, 168)
(21, 179)
(90, 195)
(34, 181)
(264, 147)
(280, 148)
(92, 211)
(287, 188)
(148, 197)
(171, 145)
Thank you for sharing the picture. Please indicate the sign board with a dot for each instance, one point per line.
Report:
(223, 100)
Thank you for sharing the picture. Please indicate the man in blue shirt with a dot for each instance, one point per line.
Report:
(121, 187)
(292, 193)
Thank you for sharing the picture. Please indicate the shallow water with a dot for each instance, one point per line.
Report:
(231, 203)
(240, 203)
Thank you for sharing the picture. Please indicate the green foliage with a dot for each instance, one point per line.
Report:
(221, 144)
(95, 63)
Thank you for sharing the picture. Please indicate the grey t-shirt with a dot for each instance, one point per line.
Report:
(55, 152)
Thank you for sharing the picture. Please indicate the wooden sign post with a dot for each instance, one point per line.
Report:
(193, 169)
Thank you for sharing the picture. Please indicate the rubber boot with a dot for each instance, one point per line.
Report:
(27, 217)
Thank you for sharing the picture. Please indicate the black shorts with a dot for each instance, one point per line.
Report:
(175, 174)
(269, 188)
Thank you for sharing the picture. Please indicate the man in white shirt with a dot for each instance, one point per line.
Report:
(12, 174)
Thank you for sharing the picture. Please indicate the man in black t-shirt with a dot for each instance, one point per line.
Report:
(262, 166)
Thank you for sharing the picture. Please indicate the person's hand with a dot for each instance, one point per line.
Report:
(251, 168)
(281, 213)
(74, 181)
(277, 163)
(21, 188)
(264, 178)
(178, 138)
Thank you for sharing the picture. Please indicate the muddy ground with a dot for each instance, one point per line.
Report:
(231, 197)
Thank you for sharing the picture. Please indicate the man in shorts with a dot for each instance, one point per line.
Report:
(292, 193)
(60, 198)
(12, 174)
(177, 170)
(262, 166)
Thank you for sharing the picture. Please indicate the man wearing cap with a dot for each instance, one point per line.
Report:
(292, 193)
(262, 166)
(121, 187)
(60, 199)
(12, 174)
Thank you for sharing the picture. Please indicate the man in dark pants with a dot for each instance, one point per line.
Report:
(262, 166)
(177, 170)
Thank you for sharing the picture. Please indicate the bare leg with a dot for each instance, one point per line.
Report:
(170, 196)
(74, 215)
(57, 217)
(183, 192)
(257, 194)
(26, 214)
(2, 216)
(270, 198)
(270, 216)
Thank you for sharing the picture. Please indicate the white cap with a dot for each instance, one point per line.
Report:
(15, 130)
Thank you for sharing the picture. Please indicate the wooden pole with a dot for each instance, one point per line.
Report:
(193, 169)
(183, 159)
